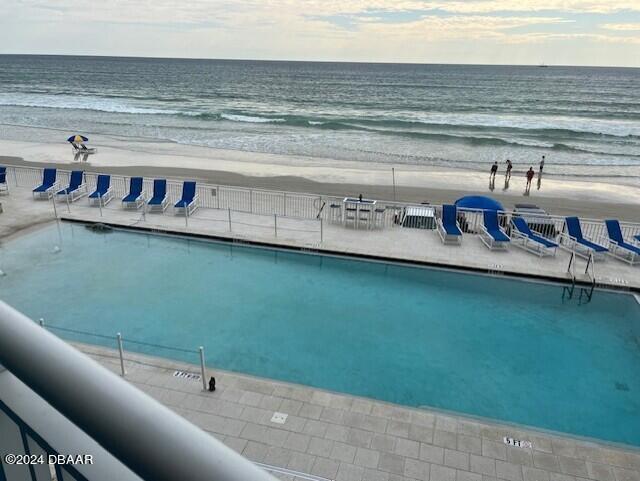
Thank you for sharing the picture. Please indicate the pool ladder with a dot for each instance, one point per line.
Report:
(586, 293)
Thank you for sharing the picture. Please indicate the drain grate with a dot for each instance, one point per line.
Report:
(186, 375)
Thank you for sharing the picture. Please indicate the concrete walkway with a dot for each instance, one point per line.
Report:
(345, 438)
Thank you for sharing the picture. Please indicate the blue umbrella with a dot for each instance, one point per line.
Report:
(77, 139)
(478, 202)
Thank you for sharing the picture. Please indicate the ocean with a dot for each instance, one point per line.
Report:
(586, 121)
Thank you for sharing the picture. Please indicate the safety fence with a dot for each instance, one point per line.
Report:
(118, 342)
(227, 206)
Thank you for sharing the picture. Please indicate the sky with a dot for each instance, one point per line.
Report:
(554, 32)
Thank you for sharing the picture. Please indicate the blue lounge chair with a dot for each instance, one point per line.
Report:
(448, 227)
(618, 247)
(77, 187)
(491, 233)
(523, 236)
(159, 201)
(573, 240)
(4, 185)
(102, 194)
(189, 201)
(48, 186)
(135, 198)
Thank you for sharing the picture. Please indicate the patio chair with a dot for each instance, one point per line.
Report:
(102, 195)
(448, 227)
(522, 236)
(4, 185)
(618, 247)
(491, 234)
(573, 240)
(76, 189)
(188, 204)
(159, 201)
(48, 186)
(135, 198)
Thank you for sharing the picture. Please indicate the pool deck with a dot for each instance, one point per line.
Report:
(391, 243)
(340, 437)
(336, 436)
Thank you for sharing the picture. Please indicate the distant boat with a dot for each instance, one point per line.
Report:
(543, 65)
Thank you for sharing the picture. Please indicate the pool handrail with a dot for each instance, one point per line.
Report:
(144, 435)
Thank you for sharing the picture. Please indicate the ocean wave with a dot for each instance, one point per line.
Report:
(73, 102)
(252, 119)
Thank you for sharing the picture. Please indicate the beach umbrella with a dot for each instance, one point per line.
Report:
(78, 139)
(478, 202)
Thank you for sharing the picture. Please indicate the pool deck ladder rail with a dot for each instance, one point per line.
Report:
(589, 274)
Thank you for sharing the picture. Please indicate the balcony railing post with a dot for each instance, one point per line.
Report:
(121, 353)
(229, 212)
(321, 230)
(203, 371)
(275, 224)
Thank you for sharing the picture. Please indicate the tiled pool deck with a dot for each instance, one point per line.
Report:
(335, 436)
(345, 438)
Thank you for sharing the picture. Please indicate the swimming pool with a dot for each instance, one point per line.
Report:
(493, 347)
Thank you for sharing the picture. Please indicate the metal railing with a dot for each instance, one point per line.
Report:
(141, 433)
(118, 341)
(308, 206)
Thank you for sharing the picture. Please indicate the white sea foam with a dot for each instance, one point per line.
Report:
(250, 119)
(79, 102)
(618, 128)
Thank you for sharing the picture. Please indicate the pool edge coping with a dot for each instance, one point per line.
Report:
(362, 256)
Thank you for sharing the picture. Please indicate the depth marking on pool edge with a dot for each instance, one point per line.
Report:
(517, 442)
(279, 418)
(186, 375)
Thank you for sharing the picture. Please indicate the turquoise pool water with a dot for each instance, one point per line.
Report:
(497, 348)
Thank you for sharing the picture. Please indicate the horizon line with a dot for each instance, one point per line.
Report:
(365, 62)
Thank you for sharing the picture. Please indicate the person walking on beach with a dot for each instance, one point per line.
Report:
(530, 174)
(492, 176)
(507, 176)
(494, 171)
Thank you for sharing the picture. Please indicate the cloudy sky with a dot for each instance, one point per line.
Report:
(568, 32)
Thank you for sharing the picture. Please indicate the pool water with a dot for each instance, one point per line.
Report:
(498, 348)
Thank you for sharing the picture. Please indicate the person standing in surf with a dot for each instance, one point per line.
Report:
(507, 176)
(494, 171)
(530, 174)
(540, 173)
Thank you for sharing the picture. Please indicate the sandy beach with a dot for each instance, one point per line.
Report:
(131, 156)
